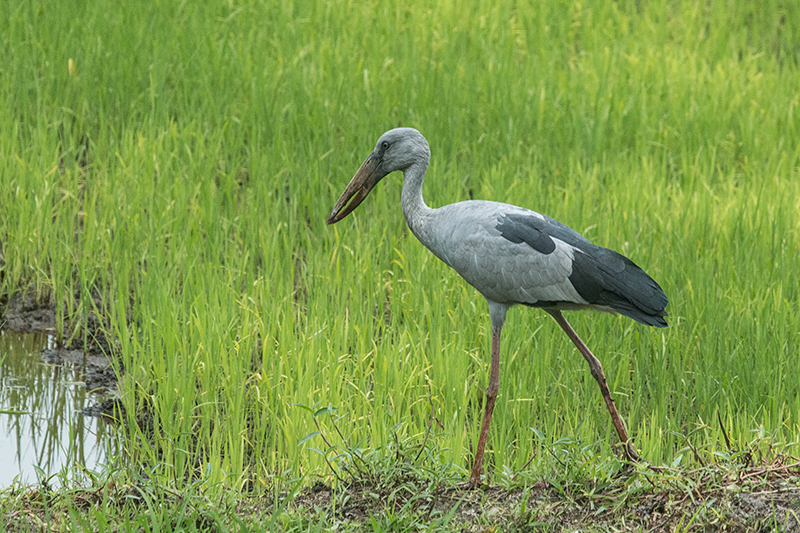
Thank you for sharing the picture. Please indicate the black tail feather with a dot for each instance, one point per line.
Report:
(606, 278)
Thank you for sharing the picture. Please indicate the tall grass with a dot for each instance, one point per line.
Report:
(184, 170)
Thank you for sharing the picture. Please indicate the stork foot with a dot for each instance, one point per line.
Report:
(630, 452)
(472, 484)
(626, 470)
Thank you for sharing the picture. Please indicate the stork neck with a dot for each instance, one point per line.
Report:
(414, 209)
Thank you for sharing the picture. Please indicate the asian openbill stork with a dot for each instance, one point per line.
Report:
(512, 256)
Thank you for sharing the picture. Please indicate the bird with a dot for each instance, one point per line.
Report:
(512, 256)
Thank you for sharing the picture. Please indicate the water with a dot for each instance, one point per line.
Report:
(40, 420)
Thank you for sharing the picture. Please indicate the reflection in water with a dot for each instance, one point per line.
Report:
(40, 422)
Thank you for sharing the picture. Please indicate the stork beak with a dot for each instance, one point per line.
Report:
(365, 179)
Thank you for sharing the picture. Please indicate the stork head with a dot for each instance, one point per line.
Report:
(397, 149)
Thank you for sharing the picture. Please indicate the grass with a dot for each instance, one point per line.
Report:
(176, 182)
(403, 487)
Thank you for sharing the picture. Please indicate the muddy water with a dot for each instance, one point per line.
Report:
(40, 420)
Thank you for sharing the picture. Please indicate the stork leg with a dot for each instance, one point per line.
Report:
(491, 397)
(597, 372)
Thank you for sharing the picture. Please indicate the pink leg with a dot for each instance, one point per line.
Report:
(597, 372)
(491, 397)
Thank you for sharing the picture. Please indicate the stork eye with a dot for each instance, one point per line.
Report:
(385, 145)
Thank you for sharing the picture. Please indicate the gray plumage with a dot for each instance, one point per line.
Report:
(511, 255)
(515, 256)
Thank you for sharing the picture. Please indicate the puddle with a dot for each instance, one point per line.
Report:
(40, 420)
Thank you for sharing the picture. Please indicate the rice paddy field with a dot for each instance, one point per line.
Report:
(166, 169)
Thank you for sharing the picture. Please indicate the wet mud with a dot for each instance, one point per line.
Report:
(93, 355)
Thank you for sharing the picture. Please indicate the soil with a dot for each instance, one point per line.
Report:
(25, 314)
(776, 507)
